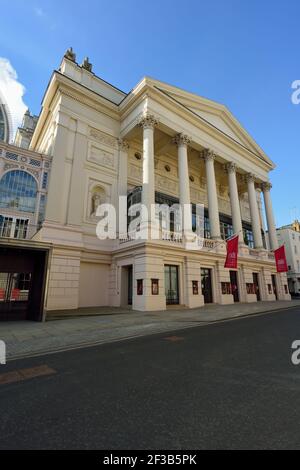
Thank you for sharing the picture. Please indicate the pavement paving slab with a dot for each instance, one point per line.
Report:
(25, 339)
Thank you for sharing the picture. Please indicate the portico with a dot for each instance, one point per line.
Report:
(149, 123)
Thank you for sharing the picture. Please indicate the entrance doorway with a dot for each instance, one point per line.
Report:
(22, 283)
(206, 284)
(14, 294)
(171, 285)
(130, 285)
(274, 286)
(126, 285)
(234, 286)
(256, 286)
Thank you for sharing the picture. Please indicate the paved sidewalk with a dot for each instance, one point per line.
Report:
(24, 339)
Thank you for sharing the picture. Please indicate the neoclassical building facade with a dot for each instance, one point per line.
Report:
(156, 144)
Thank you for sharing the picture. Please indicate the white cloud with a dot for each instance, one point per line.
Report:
(12, 92)
(39, 12)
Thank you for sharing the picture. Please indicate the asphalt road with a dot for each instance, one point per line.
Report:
(227, 385)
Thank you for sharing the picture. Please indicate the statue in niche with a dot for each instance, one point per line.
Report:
(97, 200)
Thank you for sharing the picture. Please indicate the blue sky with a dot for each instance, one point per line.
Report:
(243, 53)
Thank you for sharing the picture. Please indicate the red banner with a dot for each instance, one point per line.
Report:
(232, 253)
(280, 259)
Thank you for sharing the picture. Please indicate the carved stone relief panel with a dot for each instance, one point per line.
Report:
(102, 155)
(135, 172)
(103, 138)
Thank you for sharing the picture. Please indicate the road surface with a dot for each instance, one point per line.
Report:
(221, 386)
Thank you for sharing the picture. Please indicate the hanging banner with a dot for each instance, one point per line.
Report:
(280, 259)
(232, 253)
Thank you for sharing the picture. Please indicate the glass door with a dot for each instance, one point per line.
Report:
(171, 285)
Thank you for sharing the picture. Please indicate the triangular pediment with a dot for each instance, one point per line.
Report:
(214, 114)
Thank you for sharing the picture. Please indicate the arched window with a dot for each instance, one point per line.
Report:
(18, 191)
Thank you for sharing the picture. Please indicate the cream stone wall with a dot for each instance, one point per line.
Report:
(247, 277)
(192, 273)
(93, 284)
(63, 280)
(147, 268)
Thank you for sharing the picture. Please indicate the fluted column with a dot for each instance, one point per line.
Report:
(255, 220)
(148, 122)
(234, 200)
(182, 142)
(266, 187)
(212, 197)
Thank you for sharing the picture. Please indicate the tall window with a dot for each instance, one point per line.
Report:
(13, 227)
(226, 230)
(248, 237)
(18, 191)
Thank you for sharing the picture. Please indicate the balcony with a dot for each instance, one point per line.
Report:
(169, 238)
(175, 239)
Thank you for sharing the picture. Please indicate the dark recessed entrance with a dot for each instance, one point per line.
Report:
(256, 286)
(22, 283)
(206, 284)
(234, 286)
(130, 285)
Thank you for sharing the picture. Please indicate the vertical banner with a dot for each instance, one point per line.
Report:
(280, 258)
(232, 252)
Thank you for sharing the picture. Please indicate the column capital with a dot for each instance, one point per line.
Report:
(181, 139)
(249, 177)
(230, 167)
(266, 186)
(123, 144)
(208, 155)
(147, 121)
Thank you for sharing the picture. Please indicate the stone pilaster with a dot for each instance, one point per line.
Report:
(122, 186)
